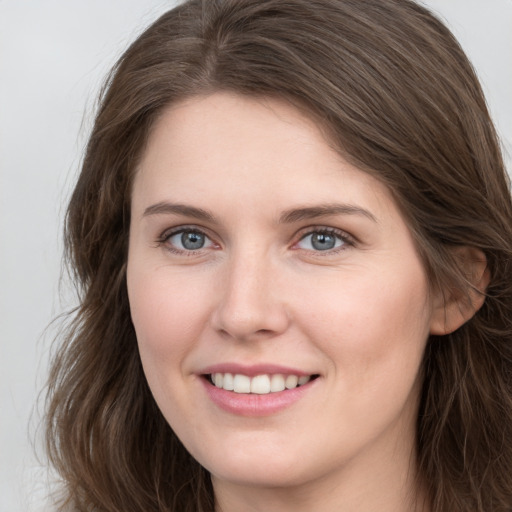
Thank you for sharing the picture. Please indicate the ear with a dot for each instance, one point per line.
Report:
(454, 307)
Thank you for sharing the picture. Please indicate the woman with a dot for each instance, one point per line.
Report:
(292, 234)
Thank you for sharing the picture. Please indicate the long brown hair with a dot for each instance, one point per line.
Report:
(400, 100)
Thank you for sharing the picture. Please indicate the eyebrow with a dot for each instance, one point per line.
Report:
(287, 217)
(323, 210)
(178, 209)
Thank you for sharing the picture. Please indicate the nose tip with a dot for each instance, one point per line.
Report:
(246, 328)
(250, 305)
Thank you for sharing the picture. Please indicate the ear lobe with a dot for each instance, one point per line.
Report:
(454, 307)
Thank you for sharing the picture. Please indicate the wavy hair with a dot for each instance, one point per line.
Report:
(401, 101)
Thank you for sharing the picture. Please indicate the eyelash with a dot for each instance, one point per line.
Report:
(346, 239)
(164, 238)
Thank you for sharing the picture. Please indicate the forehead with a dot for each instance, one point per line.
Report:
(239, 149)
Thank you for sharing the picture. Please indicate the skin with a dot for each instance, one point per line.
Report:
(258, 291)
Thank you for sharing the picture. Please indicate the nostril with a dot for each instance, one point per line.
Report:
(265, 332)
(248, 312)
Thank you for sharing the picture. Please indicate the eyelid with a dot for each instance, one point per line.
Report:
(167, 233)
(348, 239)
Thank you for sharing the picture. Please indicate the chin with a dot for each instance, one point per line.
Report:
(263, 468)
(261, 475)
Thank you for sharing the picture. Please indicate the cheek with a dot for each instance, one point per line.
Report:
(168, 316)
(167, 313)
(375, 328)
(375, 338)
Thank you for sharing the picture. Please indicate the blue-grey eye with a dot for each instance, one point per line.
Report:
(321, 241)
(189, 240)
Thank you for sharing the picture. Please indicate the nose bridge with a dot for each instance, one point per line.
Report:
(250, 304)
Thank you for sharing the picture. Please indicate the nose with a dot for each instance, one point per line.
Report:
(251, 302)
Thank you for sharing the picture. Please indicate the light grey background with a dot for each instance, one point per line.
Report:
(53, 56)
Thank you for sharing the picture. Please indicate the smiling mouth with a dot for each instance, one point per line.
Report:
(259, 384)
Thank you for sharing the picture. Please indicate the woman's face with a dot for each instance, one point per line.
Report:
(258, 259)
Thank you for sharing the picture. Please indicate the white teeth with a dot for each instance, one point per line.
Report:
(302, 380)
(260, 384)
(228, 382)
(291, 381)
(277, 383)
(241, 384)
(218, 379)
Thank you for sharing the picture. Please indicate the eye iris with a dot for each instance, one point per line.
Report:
(323, 241)
(192, 240)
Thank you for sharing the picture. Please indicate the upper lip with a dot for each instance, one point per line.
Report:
(253, 369)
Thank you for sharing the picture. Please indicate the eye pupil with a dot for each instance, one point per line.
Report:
(192, 240)
(323, 241)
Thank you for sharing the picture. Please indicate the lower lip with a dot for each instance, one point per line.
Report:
(245, 404)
